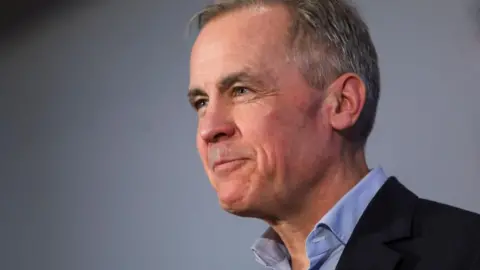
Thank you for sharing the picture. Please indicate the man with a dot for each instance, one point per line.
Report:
(286, 94)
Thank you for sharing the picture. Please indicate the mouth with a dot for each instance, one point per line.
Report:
(227, 166)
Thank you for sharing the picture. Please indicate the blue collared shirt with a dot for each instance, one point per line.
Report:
(327, 240)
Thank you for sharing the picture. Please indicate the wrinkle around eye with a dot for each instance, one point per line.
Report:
(241, 90)
(255, 95)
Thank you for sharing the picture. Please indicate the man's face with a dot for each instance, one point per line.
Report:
(261, 135)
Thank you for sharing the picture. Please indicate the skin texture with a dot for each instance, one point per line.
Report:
(269, 142)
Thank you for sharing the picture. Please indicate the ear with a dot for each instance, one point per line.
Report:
(344, 101)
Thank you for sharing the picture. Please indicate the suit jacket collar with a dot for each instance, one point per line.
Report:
(388, 218)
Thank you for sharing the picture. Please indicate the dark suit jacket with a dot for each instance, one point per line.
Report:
(399, 231)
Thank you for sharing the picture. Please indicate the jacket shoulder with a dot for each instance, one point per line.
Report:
(443, 236)
(441, 215)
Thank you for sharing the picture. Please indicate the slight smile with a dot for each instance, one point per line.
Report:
(228, 166)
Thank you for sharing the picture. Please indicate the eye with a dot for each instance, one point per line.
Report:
(240, 90)
(200, 103)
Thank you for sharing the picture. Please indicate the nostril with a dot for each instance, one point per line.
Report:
(219, 136)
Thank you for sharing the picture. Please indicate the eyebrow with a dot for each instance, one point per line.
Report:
(227, 82)
(194, 94)
(242, 76)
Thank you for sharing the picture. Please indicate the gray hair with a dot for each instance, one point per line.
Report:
(328, 38)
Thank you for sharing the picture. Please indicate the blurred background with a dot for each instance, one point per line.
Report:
(98, 166)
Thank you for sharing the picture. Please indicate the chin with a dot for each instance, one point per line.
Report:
(235, 202)
(242, 207)
(237, 209)
(237, 195)
(245, 212)
(249, 212)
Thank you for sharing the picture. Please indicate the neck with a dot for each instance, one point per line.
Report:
(336, 182)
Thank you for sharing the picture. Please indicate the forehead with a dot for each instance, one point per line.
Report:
(251, 38)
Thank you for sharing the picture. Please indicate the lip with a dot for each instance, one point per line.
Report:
(224, 166)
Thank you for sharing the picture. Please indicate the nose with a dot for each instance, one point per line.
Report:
(215, 127)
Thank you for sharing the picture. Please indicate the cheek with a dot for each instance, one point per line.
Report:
(270, 131)
(258, 123)
(275, 124)
(262, 119)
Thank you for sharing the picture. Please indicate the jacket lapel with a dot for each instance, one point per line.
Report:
(386, 219)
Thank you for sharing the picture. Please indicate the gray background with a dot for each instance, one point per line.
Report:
(98, 167)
